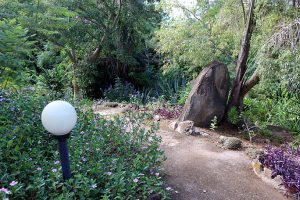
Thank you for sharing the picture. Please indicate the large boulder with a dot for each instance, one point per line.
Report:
(208, 96)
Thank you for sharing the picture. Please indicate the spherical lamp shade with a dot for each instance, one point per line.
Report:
(59, 117)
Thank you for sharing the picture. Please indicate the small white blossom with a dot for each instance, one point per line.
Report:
(168, 188)
(13, 183)
(136, 180)
(108, 173)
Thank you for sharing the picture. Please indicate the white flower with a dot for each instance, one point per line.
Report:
(136, 180)
(94, 186)
(157, 174)
(4, 190)
(168, 188)
(108, 173)
(13, 183)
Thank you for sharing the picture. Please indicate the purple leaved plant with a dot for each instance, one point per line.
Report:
(169, 114)
(284, 162)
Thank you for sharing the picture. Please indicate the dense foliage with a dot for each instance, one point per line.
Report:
(14, 47)
(102, 39)
(212, 30)
(284, 162)
(110, 159)
(145, 52)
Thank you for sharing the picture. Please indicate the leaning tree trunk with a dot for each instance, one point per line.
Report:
(240, 85)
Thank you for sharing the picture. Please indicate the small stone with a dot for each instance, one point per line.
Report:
(221, 139)
(203, 134)
(185, 127)
(173, 125)
(110, 104)
(253, 153)
(257, 167)
(267, 172)
(230, 142)
(156, 117)
(204, 191)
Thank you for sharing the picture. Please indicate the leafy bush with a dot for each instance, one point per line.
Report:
(284, 162)
(110, 159)
(170, 86)
(282, 112)
(15, 48)
(184, 92)
(120, 92)
(233, 116)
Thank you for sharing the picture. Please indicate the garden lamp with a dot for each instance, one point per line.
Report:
(59, 118)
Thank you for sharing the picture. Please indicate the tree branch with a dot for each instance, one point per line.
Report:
(96, 53)
(248, 85)
(188, 10)
(72, 55)
(244, 12)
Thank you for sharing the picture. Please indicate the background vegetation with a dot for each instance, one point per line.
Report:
(140, 52)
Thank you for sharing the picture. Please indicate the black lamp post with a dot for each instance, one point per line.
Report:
(59, 118)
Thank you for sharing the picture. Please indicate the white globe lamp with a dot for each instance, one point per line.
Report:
(59, 118)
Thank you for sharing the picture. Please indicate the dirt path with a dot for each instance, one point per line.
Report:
(199, 170)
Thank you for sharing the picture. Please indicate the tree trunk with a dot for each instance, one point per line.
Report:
(73, 58)
(240, 86)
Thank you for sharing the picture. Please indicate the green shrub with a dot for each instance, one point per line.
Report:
(281, 112)
(110, 159)
(184, 92)
(233, 116)
(213, 123)
(120, 91)
(171, 86)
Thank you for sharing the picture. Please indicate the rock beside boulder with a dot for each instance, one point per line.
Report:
(156, 117)
(173, 125)
(208, 96)
(230, 142)
(185, 127)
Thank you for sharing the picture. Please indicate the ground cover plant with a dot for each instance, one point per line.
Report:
(110, 159)
(169, 113)
(284, 162)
